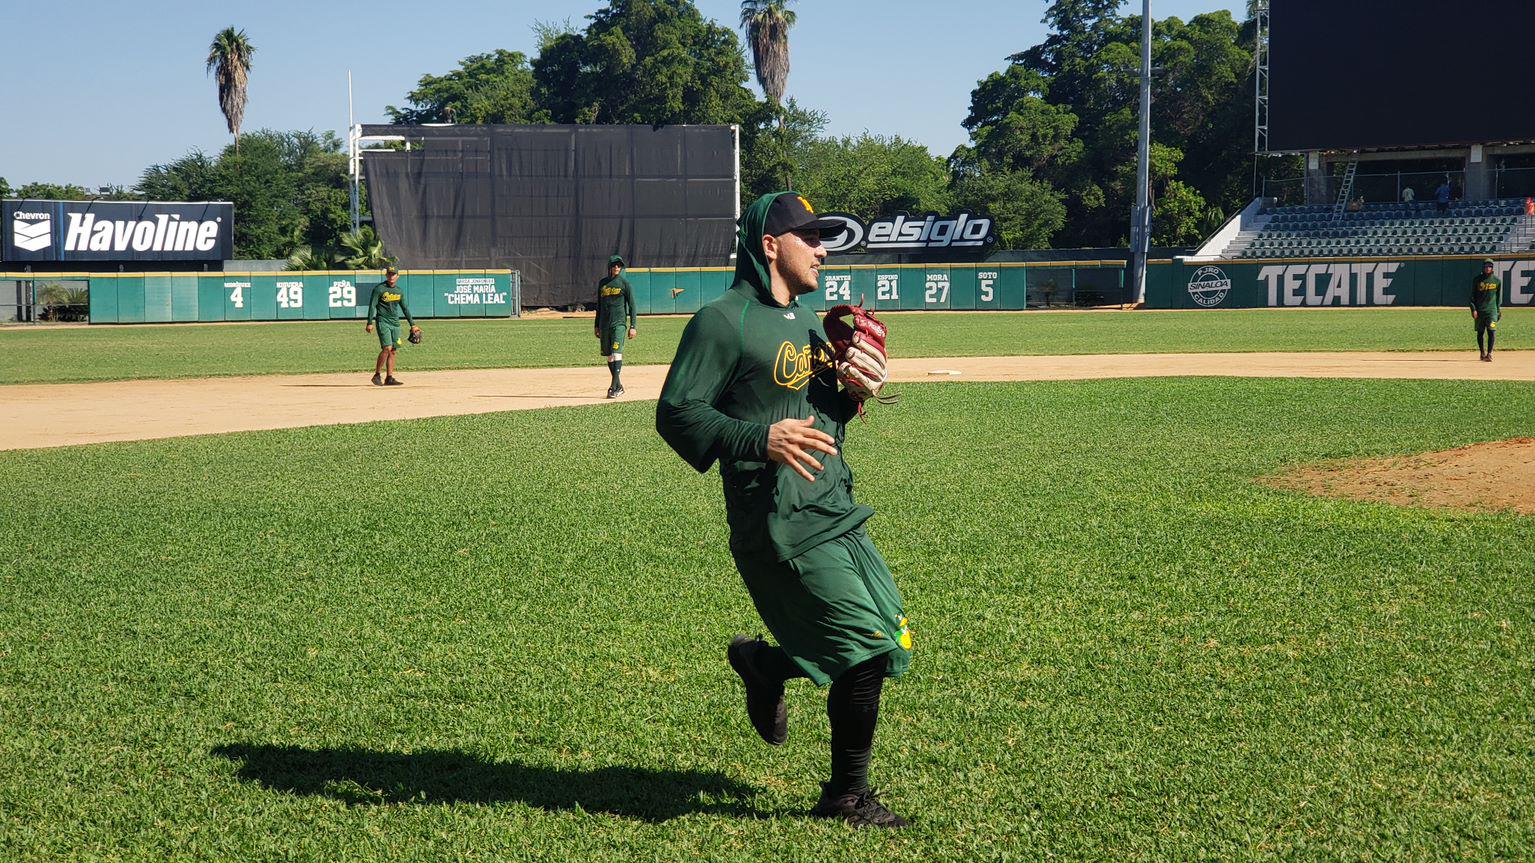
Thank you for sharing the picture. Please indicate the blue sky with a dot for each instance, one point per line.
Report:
(95, 92)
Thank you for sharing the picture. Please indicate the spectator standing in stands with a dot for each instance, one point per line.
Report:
(1442, 196)
(1408, 195)
(1356, 205)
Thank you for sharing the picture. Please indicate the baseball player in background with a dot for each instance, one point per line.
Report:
(614, 301)
(385, 306)
(755, 387)
(1486, 293)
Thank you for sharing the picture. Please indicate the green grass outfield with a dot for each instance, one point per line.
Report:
(41, 355)
(501, 637)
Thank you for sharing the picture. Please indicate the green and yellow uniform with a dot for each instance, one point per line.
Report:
(614, 300)
(1486, 294)
(385, 307)
(744, 363)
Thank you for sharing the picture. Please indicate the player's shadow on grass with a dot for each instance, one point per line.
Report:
(363, 777)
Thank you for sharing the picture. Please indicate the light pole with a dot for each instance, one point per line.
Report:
(1140, 217)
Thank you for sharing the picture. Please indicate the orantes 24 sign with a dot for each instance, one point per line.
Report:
(115, 231)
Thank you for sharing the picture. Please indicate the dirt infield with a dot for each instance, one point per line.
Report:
(67, 414)
(1496, 476)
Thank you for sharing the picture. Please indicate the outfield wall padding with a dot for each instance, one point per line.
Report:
(1361, 282)
(139, 298)
(899, 287)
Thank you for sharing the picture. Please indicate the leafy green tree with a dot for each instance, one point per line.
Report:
(5, 189)
(290, 190)
(644, 61)
(1064, 111)
(363, 250)
(1029, 212)
(311, 258)
(53, 192)
(873, 175)
(774, 145)
(229, 61)
(485, 88)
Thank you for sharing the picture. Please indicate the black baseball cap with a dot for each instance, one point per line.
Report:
(791, 212)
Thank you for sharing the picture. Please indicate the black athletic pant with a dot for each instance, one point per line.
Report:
(853, 708)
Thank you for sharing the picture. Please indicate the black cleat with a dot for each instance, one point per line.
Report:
(858, 809)
(618, 391)
(378, 380)
(610, 394)
(765, 706)
(392, 381)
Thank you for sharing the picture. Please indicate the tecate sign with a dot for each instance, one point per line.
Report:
(906, 233)
(116, 231)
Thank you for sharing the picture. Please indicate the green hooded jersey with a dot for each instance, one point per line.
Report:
(1486, 292)
(387, 303)
(744, 363)
(615, 301)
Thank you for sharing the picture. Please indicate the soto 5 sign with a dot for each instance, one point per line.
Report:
(1337, 283)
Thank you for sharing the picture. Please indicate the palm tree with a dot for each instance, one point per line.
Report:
(767, 24)
(229, 59)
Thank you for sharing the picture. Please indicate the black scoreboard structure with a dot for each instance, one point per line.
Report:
(554, 202)
(1396, 74)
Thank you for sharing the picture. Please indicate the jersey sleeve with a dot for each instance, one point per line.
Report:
(405, 310)
(686, 416)
(629, 303)
(378, 291)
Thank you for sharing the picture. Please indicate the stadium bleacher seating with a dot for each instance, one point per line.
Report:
(1396, 230)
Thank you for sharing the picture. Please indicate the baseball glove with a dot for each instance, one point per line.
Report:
(858, 351)
(415, 336)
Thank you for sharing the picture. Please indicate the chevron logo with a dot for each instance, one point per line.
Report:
(32, 236)
(676, 291)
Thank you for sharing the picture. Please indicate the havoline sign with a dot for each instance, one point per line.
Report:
(913, 234)
(115, 231)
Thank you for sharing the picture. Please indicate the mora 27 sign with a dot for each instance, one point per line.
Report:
(116, 231)
(907, 233)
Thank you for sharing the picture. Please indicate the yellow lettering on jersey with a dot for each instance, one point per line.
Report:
(391, 298)
(794, 366)
(611, 292)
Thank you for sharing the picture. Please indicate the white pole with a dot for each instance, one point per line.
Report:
(351, 140)
(1141, 219)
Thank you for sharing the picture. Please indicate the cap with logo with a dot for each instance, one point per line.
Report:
(391, 270)
(791, 212)
(617, 259)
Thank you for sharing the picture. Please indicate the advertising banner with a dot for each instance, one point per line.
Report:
(110, 231)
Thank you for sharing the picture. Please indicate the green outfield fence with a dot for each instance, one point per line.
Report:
(903, 287)
(1300, 282)
(135, 298)
(140, 298)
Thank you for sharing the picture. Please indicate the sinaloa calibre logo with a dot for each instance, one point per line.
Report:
(1209, 286)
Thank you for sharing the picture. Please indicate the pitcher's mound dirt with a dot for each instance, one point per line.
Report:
(1497, 476)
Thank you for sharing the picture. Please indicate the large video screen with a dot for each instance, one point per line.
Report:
(1399, 73)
